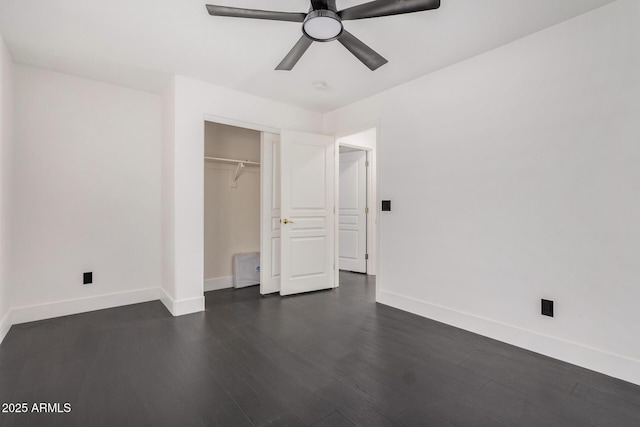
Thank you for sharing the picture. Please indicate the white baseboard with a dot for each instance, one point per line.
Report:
(5, 325)
(218, 283)
(82, 305)
(184, 306)
(33, 313)
(615, 365)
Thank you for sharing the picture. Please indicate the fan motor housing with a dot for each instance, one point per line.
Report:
(324, 5)
(322, 25)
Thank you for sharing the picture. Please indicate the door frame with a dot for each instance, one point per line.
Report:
(342, 139)
(361, 192)
(268, 188)
(262, 129)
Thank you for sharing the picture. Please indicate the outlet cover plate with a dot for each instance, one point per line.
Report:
(547, 307)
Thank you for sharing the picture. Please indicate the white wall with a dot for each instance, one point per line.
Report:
(195, 100)
(87, 194)
(514, 177)
(6, 172)
(231, 213)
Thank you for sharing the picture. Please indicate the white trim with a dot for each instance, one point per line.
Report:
(5, 325)
(218, 283)
(269, 283)
(336, 213)
(184, 306)
(615, 365)
(240, 124)
(82, 305)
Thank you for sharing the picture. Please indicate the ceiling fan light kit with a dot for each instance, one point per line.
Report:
(323, 23)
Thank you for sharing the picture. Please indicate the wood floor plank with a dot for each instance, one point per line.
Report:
(213, 404)
(388, 401)
(419, 416)
(336, 419)
(354, 405)
(297, 396)
(614, 404)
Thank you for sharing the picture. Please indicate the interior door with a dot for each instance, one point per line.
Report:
(352, 218)
(307, 212)
(270, 213)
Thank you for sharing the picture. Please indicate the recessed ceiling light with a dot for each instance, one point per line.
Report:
(320, 85)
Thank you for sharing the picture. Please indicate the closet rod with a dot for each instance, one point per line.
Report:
(220, 159)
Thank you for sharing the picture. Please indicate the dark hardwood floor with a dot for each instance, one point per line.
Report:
(332, 358)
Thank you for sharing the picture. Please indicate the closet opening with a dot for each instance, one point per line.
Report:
(231, 206)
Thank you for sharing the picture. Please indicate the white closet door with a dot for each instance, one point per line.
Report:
(352, 216)
(307, 215)
(270, 211)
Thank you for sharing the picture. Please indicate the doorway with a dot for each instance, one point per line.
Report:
(231, 206)
(353, 210)
(357, 202)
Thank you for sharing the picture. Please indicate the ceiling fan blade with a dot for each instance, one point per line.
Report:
(364, 53)
(378, 8)
(295, 54)
(236, 12)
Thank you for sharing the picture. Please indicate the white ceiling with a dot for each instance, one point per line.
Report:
(140, 43)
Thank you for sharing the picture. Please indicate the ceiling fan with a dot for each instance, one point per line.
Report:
(323, 23)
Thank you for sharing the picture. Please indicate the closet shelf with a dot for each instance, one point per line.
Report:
(220, 159)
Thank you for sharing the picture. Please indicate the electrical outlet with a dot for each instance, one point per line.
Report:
(547, 307)
(87, 278)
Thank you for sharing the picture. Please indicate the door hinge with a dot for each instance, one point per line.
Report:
(366, 164)
(366, 256)
(366, 210)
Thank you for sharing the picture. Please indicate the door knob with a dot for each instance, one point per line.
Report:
(286, 221)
